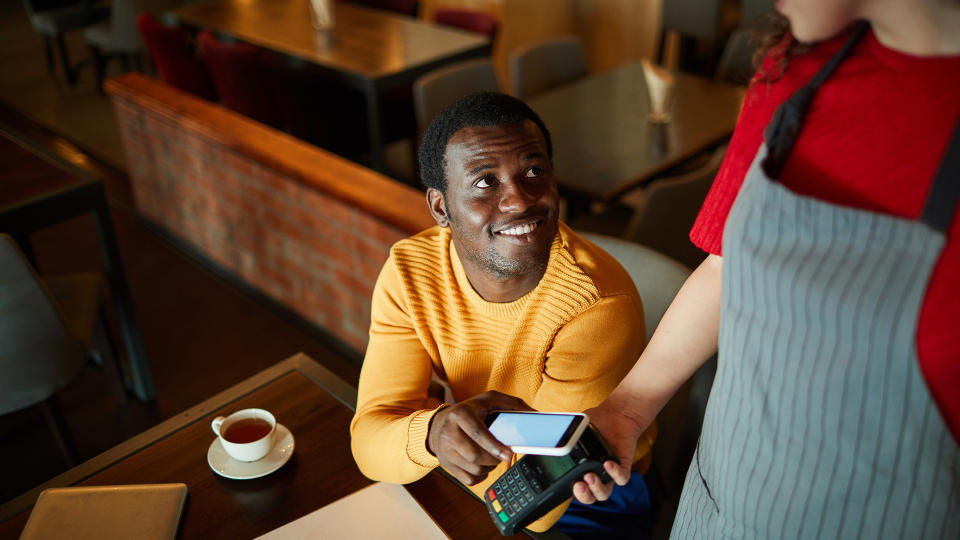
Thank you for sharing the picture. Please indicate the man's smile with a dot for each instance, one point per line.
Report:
(521, 231)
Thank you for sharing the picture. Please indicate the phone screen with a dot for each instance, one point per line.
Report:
(531, 429)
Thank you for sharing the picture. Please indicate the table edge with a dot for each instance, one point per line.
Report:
(300, 362)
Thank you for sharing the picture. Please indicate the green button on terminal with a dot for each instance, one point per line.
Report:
(503, 516)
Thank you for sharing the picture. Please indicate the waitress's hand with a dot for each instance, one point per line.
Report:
(621, 433)
(459, 437)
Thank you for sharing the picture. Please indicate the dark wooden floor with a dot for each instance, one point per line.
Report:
(201, 333)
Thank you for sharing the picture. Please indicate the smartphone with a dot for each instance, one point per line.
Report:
(546, 434)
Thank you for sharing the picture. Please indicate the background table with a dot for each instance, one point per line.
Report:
(29, 203)
(370, 50)
(317, 407)
(603, 144)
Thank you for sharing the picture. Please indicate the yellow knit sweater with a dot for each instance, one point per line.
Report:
(561, 347)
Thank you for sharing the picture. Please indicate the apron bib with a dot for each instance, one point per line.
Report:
(819, 423)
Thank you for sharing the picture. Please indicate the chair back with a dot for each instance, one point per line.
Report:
(313, 107)
(692, 18)
(658, 279)
(124, 34)
(442, 87)
(656, 276)
(39, 6)
(474, 21)
(736, 62)
(667, 209)
(541, 66)
(38, 355)
(173, 53)
(238, 78)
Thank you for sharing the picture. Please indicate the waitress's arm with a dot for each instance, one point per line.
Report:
(685, 338)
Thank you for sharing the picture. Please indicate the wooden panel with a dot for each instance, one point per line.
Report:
(618, 31)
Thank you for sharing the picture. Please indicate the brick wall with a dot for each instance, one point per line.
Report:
(301, 225)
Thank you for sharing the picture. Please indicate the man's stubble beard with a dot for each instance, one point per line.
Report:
(499, 267)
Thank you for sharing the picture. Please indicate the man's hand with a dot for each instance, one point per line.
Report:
(460, 439)
(621, 433)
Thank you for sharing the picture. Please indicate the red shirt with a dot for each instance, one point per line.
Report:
(873, 139)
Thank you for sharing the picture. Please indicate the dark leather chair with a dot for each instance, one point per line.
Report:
(314, 108)
(53, 18)
(239, 78)
(49, 329)
(174, 55)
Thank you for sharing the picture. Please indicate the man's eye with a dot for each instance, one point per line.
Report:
(484, 182)
(534, 172)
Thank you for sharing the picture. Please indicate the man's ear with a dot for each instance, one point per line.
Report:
(437, 206)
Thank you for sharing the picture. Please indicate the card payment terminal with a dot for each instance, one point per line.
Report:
(536, 484)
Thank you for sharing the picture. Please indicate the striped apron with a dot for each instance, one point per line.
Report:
(819, 423)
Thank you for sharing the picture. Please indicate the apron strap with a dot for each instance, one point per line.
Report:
(784, 128)
(945, 193)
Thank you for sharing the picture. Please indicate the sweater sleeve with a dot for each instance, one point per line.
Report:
(590, 355)
(389, 429)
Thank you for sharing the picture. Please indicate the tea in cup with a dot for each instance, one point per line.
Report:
(246, 435)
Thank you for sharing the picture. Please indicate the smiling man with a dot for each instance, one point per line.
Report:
(500, 303)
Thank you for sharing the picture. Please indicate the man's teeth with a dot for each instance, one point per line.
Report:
(520, 229)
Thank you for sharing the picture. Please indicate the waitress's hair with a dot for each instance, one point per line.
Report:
(777, 41)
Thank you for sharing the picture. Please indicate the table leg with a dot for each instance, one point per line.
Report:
(374, 132)
(117, 280)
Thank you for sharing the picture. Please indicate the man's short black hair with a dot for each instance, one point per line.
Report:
(475, 110)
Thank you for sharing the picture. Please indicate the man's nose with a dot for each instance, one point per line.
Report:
(516, 197)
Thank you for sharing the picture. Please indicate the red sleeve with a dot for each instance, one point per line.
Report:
(762, 99)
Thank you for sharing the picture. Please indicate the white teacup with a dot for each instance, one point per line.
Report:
(247, 435)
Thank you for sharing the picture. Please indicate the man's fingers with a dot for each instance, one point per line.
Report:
(620, 474)
(597, 488)
(478, 434)
(583, 494)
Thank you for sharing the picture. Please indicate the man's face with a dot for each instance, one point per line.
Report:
(501, 201)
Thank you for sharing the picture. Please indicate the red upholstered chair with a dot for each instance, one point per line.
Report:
(174, 55)
(475, 21)
(238, 78)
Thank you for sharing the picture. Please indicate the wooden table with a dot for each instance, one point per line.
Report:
(317, 407)
(603, 144)
(370, 50)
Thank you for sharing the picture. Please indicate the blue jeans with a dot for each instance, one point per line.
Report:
(626, 514)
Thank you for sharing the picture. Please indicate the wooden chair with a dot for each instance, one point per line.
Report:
(441, 87)
(547, 64)
(48, 331)
(665, 210)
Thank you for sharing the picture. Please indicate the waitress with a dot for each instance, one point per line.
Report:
(831, 293)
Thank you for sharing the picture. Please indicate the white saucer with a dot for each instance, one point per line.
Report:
(224, 465)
